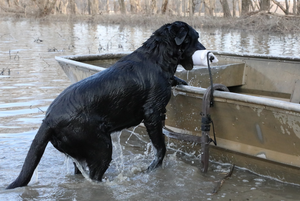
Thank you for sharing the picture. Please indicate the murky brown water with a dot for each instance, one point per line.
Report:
(32, 79)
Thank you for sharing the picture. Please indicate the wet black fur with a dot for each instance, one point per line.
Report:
(137, 88)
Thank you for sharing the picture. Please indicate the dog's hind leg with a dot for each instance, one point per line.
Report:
(153, 124)
(99, 157)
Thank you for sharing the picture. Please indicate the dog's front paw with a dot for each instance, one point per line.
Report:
(182, 82)
(177, 81)
(154, 164)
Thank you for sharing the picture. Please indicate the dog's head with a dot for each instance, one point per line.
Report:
(186, 40)
(173, 44)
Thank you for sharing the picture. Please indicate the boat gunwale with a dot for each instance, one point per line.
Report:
(268, 102)
(76, 60)
(256, 56)
(232, 54)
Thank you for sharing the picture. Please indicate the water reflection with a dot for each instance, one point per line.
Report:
(248, 42)
(28, 48)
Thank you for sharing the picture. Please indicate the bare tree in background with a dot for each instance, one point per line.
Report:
(206, 7)
(245, 7)
(287, 6)
(284, 9)
(209, 7)
(226, 9)
(164, 6)
(183, 7)
(89, 5)
(72, 7)
(8, 2)
(175, 7)
(153, 6)
(92, 6)
(191, 7)
(240, 6)
(107, 6)
(264, 5)
(138, 5)
(256, 4)
(95, 7)
(15, 2)
(122, 6)
(233, 8)
(179, 7)
(61, 6)
(44, 7)
(133, 7)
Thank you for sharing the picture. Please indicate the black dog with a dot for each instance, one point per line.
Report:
(137, 88)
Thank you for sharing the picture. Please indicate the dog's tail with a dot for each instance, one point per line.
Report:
(33, 157)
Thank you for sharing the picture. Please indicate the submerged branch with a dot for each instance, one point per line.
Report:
(220, 183)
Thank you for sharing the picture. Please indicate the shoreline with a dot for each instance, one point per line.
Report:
(264, 22)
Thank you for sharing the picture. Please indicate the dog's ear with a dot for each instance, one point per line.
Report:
(180, 36)
(179, 30)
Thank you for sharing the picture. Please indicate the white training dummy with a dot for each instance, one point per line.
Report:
(200, 58)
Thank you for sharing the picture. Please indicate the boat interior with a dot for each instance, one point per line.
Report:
(276, 78)
(263, 76)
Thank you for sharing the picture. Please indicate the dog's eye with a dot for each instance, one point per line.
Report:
(187, 40)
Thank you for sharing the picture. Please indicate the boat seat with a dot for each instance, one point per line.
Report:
(295, 96)
(227, 74)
